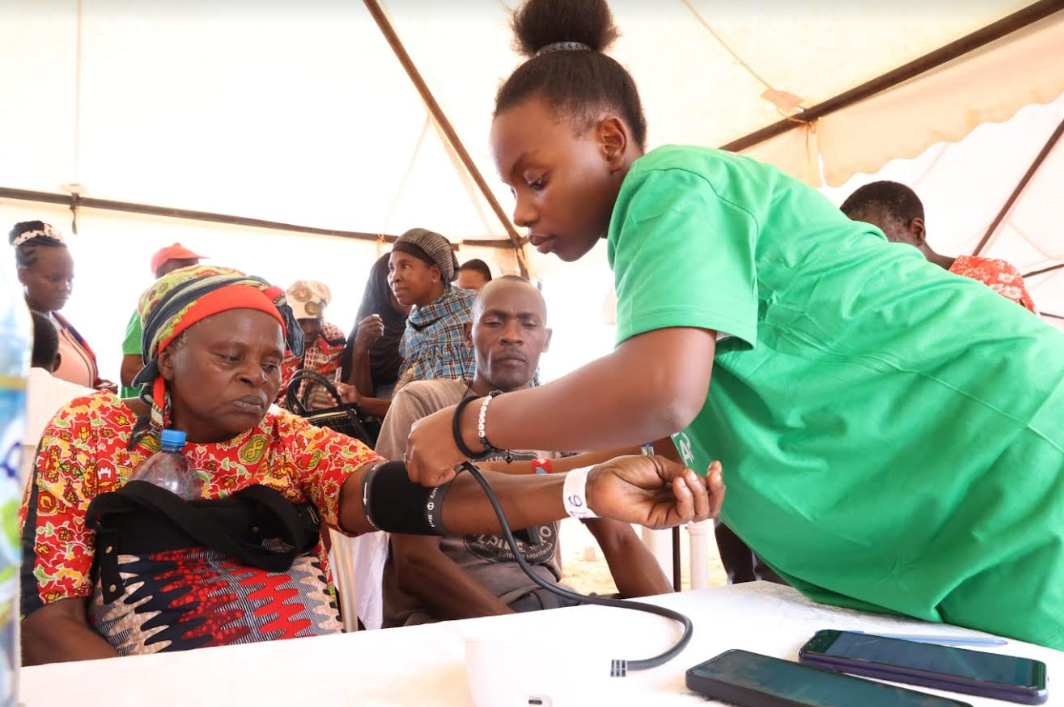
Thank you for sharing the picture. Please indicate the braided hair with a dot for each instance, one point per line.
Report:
(26, 252)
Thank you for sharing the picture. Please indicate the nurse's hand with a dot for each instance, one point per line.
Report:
(431, 454)
(654, 491)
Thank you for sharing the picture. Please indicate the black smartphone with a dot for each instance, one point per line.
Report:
(1002, 677)
(753, 680)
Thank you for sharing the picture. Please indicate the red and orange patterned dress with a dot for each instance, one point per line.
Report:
(202, 598)
(998, 275)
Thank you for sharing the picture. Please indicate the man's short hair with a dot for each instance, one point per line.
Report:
(478, 302)
(45, 342)
(884, 198)
(477, 265)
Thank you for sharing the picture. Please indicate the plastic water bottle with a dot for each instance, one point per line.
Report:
(15, 337)
(169, 468)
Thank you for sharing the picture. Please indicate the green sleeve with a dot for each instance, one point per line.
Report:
(682, 256)
(131, 344)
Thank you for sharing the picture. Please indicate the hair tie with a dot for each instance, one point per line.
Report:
(46, 232)
(564, 47)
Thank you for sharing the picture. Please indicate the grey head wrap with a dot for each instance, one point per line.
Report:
(434, 249)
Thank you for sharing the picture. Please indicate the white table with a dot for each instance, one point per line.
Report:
(425, 665)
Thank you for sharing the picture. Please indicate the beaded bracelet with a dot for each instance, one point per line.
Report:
(456, 430)
(481, 421)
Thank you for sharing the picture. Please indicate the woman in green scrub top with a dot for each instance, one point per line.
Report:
(892, 435)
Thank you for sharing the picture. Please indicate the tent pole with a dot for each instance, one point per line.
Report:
(77, 100)
(1046, 149)
(445, 125)
(1051, 268)
(992, 32)
(84, 202)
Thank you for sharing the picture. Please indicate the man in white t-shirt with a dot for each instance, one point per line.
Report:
(45, 394)
(454, 577)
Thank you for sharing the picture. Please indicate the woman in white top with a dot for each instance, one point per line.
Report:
(46, 271)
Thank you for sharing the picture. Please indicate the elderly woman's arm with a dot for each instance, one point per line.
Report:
(577, 461)
(60, 632)
(650, 491)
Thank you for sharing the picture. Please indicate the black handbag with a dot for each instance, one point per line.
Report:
(141, 518)
(346, 418)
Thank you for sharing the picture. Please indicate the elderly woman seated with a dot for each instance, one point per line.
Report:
(95, 585)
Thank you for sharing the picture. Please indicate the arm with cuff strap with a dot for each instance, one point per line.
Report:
(381, 497)
(650, 491)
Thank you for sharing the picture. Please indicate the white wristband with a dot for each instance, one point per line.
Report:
(574, 494)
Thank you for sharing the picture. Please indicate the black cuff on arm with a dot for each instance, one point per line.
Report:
(395, 504)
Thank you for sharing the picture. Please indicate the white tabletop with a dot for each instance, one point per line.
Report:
(425, 665)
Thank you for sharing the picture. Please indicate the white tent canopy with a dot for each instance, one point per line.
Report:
(302, 114)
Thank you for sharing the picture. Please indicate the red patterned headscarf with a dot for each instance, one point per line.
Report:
(189, 295)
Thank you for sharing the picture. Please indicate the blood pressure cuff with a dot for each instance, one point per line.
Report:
(395, 504)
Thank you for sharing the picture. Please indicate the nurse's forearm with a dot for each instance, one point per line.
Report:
(650, 387)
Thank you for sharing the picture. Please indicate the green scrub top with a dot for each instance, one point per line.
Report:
(892, 435)
(131, 347)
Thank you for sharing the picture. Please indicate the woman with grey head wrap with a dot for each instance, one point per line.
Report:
(432, 248)
(421, 268)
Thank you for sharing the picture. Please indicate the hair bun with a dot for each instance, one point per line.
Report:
(538, 23)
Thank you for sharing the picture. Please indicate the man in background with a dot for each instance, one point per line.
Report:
(473, 274)
(896, 210)
(454, 577)
(165, 261)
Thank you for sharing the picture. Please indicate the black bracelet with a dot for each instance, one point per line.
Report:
(456, 430)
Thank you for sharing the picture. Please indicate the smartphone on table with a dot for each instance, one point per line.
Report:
(1001, 677)
(753, 680)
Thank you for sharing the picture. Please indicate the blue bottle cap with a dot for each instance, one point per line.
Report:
(173, 439)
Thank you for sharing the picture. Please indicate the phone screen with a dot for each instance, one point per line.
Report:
(944, 660)
(790, 681)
